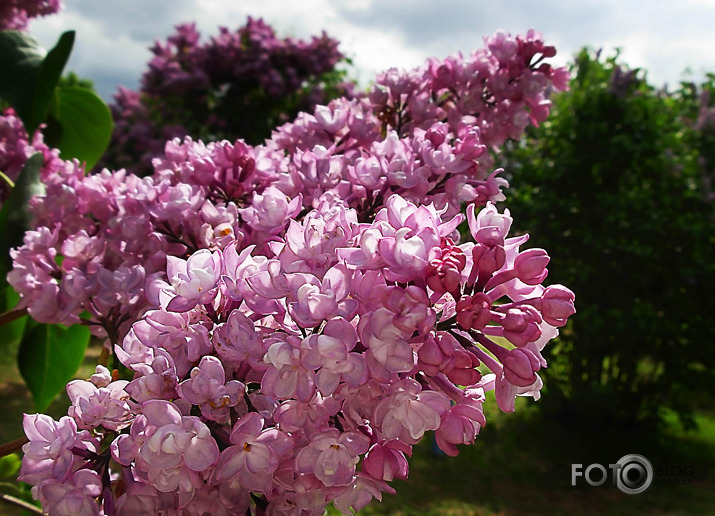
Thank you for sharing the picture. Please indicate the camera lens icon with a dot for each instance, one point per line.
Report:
(634, 474)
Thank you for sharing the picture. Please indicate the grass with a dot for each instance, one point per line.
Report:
(521, 465)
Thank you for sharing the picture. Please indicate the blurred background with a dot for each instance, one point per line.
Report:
(666, 38)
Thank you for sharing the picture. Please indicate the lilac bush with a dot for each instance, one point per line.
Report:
(295, 316)
(15, 14)
(240, 83)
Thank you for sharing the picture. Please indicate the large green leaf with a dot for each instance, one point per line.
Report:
(80, 124)
(31, 74)
(50, 73)
(20, 60)
(49, 357)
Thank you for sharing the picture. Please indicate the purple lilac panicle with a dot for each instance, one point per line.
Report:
(296, 315)
(237, 84)
(15, 14)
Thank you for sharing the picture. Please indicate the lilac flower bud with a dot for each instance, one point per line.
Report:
(474, 312)
(531, 266)
(460, 425)
(557, 305)
(521, 325)
(520, 367)
(444, 273)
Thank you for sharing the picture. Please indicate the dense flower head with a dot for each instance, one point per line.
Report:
(16, 147)
(294, 317)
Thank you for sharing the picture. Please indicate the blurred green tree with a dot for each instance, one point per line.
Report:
(615, 186)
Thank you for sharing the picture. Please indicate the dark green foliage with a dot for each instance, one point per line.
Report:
(79, 123)
(49, 357)
(32, 74)
(611, 187)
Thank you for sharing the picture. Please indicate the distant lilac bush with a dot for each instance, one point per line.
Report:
(295, 316)
(15, 14)
(239, 84)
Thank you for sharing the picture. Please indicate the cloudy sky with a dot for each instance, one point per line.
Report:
(664, 37)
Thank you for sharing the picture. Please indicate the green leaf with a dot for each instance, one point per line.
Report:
(20, 60)
(49, 77)
(28, 184)
(15, 217)
(49, 357)
(31, 74)
(11, 333)
(80, 125)
(10, 465)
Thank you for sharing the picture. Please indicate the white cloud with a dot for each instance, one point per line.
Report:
(661, 36)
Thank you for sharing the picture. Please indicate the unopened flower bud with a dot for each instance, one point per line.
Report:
(521, 325)
(473, 311)
(557, 305)
(531, 266)
(520, 367)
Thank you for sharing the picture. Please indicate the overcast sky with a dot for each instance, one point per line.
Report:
(665, 37)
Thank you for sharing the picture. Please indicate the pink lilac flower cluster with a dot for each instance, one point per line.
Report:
(240, 83)
(16, 147)
(295, 317)
(705, 125)
(15, 14)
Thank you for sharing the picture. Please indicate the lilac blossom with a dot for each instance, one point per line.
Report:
(49, 454)
(254, 454)
(235, 84)
(332, 456)
(409, 411)
(73, 496)
(193, 280)
(168, 449)
(207, 388)
(293, 317)
(99, 403)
